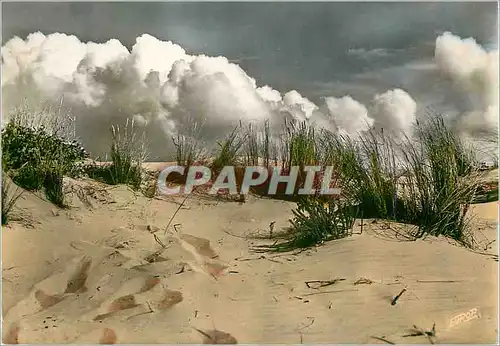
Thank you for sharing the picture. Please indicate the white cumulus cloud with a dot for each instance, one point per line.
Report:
(163, 88)
(394, 111)
(473, 72)
(348, 114)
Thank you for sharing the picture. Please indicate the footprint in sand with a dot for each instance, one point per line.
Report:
(215, 336)
(214, 269)
(46, 300)
(149, 284)
(155, 257)
(103, 336)
(117, 305)
(76, 283)
(206, 258)
(108, 254)
(138, 285)
(12, 335)
(108, 337)
(36, 301)
(122, 303)
(170, 299)
(200, 245)
(42, 296)
(128, 301)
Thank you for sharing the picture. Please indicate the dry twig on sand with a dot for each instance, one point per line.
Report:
(322, 283)
(420, 332)
(324, 292)
(396, 298)
(308, 325)
(175, 213)
(159, 241)
(271, 228)
(383, 339)
(362, 281)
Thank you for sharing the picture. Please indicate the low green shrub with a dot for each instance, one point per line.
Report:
(99, 172)
(29, 176)
(36, 160)
(22, 146)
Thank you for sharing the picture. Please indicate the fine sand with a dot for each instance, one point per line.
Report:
(95, 273)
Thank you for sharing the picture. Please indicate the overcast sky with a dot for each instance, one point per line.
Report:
(319, 49)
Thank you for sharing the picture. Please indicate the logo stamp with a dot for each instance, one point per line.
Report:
(464, 317)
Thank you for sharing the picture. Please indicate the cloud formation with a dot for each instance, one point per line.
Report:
(348, 115)
(394, 110)
(165, 89)
(473, 73)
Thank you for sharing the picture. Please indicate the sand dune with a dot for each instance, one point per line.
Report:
(96, 273)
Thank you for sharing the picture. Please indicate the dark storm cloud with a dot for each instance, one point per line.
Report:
(286, 45)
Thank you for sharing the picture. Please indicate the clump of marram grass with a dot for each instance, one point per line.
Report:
(376, 183)
(442, 183)
(298, 145)
(53, 184)
(428, 180)
(188, 148)
(258, 146)
(266, 145)
(315, 222)
(302, 146)
(10, 194)
(365, 170)
(229, 150)
(252, 146)
(127, 154)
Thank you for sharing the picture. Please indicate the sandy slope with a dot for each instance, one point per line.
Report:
(90, 274)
